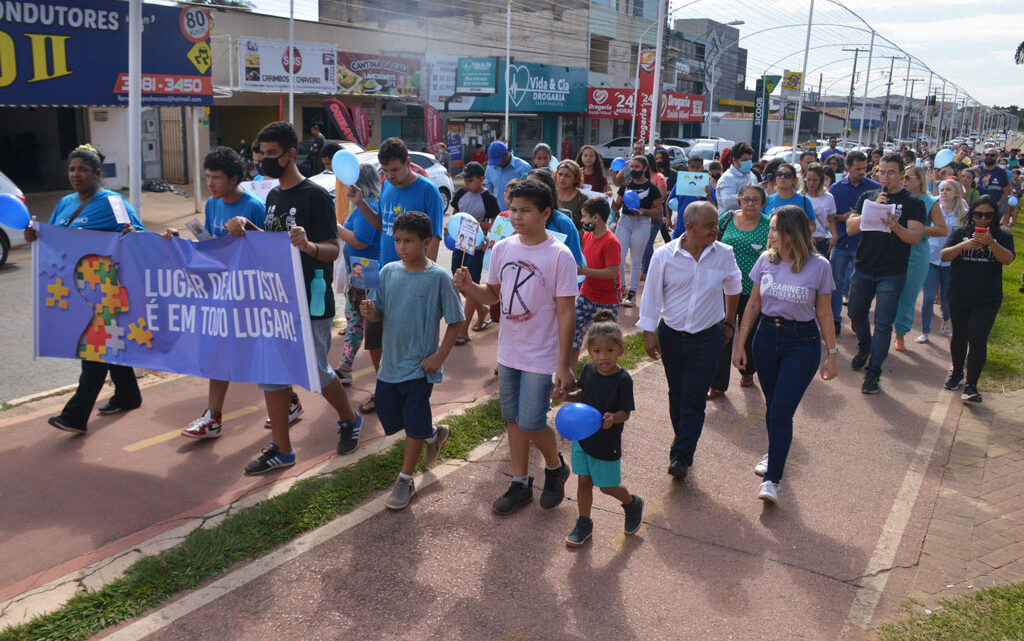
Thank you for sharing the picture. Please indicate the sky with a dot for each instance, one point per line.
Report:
(970, 42)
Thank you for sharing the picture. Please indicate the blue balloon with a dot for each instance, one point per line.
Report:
(345, 166)
(449, 242)
(577, 421)
(618, 164)
(943, 158)
(631, 199)
(1012, 201)
(13, 212)
(455, 223)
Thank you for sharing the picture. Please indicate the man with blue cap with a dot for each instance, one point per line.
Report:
(502, 167)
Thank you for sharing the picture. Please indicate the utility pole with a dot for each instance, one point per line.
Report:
(853, 80)
(821, 112)
(910, 107)
(903, 107)
(864, 102)
(885, 106)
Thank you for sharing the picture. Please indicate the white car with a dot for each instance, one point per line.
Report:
(435, 172)
(615, 148)
(8, 235)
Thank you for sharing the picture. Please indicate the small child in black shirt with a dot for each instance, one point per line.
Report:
(608, 388)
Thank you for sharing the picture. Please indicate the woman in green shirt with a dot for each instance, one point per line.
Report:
(746, 231)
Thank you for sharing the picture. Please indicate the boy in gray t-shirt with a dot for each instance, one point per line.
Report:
(414, 295)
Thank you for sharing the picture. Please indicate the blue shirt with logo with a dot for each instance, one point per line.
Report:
(97, 214)
(419, 195)
(219, 212)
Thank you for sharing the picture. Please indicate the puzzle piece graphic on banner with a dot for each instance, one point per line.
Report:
(114, 343)
(140, 334)
(58, 294)
(89, 272)
(52, 262)
(106, 271)
(93, 353)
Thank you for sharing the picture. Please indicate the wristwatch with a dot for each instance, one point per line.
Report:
(832, 350)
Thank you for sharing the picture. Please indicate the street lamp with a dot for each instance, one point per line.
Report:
(708, 108)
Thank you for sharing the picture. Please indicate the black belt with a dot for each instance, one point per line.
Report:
(778, 321)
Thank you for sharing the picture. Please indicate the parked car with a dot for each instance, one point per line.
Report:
(785, 152)
(706, 151)
(677, 157)
(432, 169)
(8, 235)
(615, 148)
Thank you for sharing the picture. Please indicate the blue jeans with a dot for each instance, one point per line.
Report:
(690, 361)
(842, 268)
(788, 352)
(885, 291)
(937, 277)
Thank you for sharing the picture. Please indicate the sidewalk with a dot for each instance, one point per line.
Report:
(975, 538)
(864, 477)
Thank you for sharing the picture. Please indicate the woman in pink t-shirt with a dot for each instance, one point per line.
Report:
(792, 287)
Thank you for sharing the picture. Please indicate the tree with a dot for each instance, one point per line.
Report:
(1019, 56)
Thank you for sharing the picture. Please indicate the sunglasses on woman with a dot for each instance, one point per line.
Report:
(983, 214)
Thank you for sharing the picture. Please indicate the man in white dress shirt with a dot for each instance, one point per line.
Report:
(685, 284)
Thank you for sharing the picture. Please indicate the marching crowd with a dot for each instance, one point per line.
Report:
(753, 275)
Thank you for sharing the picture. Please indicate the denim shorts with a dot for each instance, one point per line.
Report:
(602, 473)
(405, 405)
(322, 328)
(525, 397)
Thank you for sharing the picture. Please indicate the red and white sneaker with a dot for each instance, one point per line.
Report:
(294, 411)
(206, 426)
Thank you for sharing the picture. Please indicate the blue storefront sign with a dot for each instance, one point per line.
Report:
(75, 52)
(538, 87)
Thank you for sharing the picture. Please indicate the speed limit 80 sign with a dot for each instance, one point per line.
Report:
(195, 24)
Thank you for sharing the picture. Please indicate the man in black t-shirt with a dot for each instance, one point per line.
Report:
(881, 267)
(306, 212)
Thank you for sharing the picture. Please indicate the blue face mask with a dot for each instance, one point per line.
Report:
(746, 165)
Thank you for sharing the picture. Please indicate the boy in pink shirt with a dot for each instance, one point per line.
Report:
(533, 277)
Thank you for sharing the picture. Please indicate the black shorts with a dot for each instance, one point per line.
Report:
(405, 405)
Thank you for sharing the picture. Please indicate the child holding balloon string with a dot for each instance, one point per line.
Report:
(606, 387)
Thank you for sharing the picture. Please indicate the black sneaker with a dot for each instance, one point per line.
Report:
(839, 327)
(970, 394)
(678, 469)
(517, 494)
(579, 535)
(271, 459)
(860, 360)
(634, 515)
(955, 380)
(345, 376)
(554, 484)
(630, 300)
(348, 434)
(870, 384)
(61, 424)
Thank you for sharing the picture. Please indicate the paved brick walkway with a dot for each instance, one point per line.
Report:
(976, 535)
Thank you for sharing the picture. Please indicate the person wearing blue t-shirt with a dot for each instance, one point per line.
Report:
(403, 191)
(224, 172)
(786, 194)
(92, 207)
(502, 166)
(362, 240)
(831, 151)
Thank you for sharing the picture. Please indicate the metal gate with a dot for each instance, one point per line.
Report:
(172, 145)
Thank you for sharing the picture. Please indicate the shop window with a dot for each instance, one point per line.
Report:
(599, 54)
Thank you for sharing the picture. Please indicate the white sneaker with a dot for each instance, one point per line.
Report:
(206, 426)
(762, 466)
(294, 411)
(946, 330)
(769, 492)
(923, 338)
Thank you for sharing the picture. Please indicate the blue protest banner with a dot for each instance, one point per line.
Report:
(231, 309)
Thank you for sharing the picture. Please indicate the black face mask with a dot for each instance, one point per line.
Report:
(716, 176)
(588, 226)
(270, 167)
(663, 165)
(637, 173)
